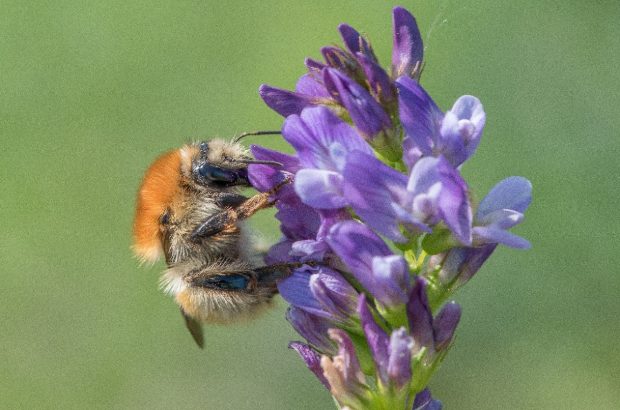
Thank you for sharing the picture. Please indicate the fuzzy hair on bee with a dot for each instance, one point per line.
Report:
(190, 212)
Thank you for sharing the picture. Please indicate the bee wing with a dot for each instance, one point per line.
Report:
(195, 329)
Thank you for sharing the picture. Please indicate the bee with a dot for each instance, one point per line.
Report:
(189, 210)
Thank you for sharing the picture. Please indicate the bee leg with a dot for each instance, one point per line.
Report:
(214, 225)
(268, 276)
(195, 329)
(225, 220)
(230, 199)
(259, 201)
(238, 278)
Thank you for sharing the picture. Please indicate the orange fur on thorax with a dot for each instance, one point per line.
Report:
(158, 189)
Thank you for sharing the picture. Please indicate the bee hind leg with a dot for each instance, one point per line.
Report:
(269, 275)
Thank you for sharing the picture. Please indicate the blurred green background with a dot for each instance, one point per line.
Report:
(91, 92)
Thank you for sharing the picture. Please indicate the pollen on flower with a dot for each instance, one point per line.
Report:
(158, 188)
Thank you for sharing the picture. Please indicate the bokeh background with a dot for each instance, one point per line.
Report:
(92, 92)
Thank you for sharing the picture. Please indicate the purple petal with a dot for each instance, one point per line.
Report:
(419, 115)
(265, 177)
(408, 51)
(391, 275)
(502, 219)
(411, 152)
(379, 81)
(309, 85)
(351, 371)
(289, 163)
(284, 102)
(312, 360)
(297, 220)
(454, 202)
(296, 291)
(357, 246)
(334, 293)
(511, 193)
(438, 190)
(355, 42)
(424, 175)
(313, 65)
(366, 113)
(339, 59)
(376, 338)
(445, 324)
(424, 401)
(484, 235)
(322, 139)
(450, 142)
(419, 314)
(320, 189)
(309, 250)
(279, 253)
(463, 263)
(329, 218)
(462, 128)
(374, 190)
(312, 328)
(399, 366)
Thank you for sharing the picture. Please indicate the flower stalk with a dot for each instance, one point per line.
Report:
(379, 207)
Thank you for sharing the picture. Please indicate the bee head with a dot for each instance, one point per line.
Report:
(216, 164)
(170, 183)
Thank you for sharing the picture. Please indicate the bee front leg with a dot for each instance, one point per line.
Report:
(259, 201)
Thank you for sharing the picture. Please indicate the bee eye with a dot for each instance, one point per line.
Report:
(216, 174)
(224, 282)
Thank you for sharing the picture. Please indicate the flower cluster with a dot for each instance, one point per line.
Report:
(381, 217)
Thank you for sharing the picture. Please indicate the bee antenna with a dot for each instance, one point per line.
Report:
(246, 134)
(260, 161)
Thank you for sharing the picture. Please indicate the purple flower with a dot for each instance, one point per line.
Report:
(321, 292)
(434, 334)
(386, 200)
(365, 112)
(424, 401)
(322, 142)
(355, 43)
(311, 84)
(309, 92)
(429, 132)
(502, 209)
(459, 265)
(342, 61)
(379, 82)
(313, 328)
(284, 102)
(298, 221)
(265, 177)
(383, 274)
(317, 249)
(343, 372)
(358, 306)
(408, 51)
(312, 360)
(392, 355)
